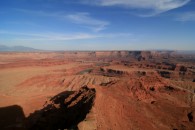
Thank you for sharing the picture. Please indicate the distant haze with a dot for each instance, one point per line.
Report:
(4, 48)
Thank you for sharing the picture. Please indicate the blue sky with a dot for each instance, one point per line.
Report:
(98, 24)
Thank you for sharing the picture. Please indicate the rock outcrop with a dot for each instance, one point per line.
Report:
(12, 118)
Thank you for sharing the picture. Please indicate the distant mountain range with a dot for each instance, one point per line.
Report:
(4, 48)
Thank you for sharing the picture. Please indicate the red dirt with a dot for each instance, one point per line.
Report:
(134, 89)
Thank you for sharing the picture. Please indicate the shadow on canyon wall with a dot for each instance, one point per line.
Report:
(12, 118)
(63, 111)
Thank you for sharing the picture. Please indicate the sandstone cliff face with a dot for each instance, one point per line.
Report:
(140, 55)
(70, 55)
(124, 54)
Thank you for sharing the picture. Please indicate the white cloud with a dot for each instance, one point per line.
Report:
(156, 6)
(86, 20)
(187, 16)
(82, 18)
(47, 36)
(60, 36)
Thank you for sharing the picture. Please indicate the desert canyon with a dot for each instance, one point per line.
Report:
(97, 90)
